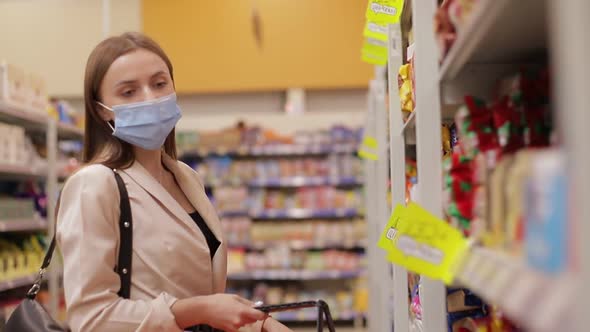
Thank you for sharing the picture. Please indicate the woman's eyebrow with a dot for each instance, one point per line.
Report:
(160, 72)
(125, 82)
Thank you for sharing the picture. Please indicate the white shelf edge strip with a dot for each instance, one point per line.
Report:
(481, 19)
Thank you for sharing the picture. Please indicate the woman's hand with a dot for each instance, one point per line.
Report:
(222, 311)
(230, 312)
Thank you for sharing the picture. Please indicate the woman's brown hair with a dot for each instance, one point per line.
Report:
(100, 146)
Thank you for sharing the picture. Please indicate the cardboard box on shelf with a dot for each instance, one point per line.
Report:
(12, 84)
(36, 92)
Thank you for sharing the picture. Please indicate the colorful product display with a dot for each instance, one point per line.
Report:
(20, 256)
(229, 171)
(449, 21)
(312, 198)
(344, 304)
(505, 188)
(242, 232)
(282, 258)
(245, 138)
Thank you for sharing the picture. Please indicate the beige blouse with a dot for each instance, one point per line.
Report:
(171, 259)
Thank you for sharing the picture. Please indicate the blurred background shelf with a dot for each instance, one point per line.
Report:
(301, 181)
(20, 171)
(296, 214)
(21, 225)
(295, 275)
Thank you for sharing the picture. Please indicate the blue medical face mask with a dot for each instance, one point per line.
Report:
(145, 124)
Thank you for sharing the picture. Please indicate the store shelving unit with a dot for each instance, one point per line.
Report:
(306, 279)
(23, 225)
(499, 35)
(37, 122)
(295, 275)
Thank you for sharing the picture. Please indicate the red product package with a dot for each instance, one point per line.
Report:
(481, 122)
(507, 120)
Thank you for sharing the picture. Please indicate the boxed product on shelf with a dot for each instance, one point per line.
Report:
(12, 144)
(36, 92)
(21, 88)
(12, 84)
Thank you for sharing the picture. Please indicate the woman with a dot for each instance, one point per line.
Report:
(179, 255)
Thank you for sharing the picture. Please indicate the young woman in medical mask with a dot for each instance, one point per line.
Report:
(179, 259)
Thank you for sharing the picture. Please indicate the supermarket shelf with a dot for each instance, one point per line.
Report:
(35, 120)
(234, 214)
(537, 300)
(295, 214)
(19, 171)
(303, 181)
(17, 282)
(310, 315)
(28, 118)
(306, 214)
(299, 245)
(20, 225)
(498, 31)
(410, 122)
(294, 275)
(69, 131)
(274, 150)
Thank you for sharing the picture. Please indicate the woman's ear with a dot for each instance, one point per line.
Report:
(105, 114)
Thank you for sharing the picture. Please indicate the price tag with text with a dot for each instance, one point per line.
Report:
(423, 243)
(384, 11)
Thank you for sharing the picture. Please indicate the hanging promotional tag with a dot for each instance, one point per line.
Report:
(375, 31)
(368, 149)
(423, 243)
(384, 11)
(374, 51)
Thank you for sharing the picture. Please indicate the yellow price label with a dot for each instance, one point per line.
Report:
(384, 11)
(423, 243)
(374, 51)
(375, 31)
(368, 149)
(373, 59)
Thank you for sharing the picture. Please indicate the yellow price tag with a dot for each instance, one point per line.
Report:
(368, 149)
(374, 51)
(423, 243)
(373, 59)
(375, 31)
(384, 11)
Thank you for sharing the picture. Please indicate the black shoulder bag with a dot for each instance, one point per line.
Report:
(30, 316)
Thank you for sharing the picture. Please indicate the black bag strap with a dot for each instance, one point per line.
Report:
(123, 267)
(126, 234)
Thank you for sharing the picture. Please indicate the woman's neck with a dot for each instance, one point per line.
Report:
(151, 160)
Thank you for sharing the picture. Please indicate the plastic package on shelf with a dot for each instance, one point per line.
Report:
(20, 256)
(63, 112)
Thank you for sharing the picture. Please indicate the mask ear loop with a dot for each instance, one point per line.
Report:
(107, 108)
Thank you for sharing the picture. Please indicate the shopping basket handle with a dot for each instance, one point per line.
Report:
(322, 306)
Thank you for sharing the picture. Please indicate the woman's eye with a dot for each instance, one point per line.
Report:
(161, 84)
(127, 93)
